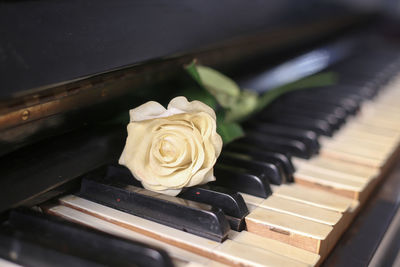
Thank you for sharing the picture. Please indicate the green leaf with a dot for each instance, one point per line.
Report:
(238, 104)
(224, 89)
(229, 131)
(191, 69)
(246, 104)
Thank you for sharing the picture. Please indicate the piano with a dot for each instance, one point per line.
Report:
(313, 182)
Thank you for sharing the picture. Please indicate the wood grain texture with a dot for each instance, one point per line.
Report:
(228, 252)
(293, 230)
(287, 250)
(244, 255)
(289, 223)
(110, 228)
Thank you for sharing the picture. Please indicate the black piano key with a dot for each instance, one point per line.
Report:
(376, 61)
(260, 168)
(317, 125)
(229, 201)
(334, 121)
(82, 242)
(196, 218)
(349, 105)
(276, 144)
(241, 180)
(334, 115)
(361, 68)
(309, 138)
(116, 173)
(361, 74)
(28, 253)
(341, 91)
(316, 105)
(364, 89)
(283, 177)
(279, 159)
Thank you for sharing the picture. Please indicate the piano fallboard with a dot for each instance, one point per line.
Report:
(329, 197)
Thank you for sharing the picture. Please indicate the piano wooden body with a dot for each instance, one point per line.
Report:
(69, 72)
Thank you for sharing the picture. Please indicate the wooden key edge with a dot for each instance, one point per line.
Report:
(218, 253)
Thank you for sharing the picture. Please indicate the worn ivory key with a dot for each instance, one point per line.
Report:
(378, 141)
(301, 210)
(280, 248)
(296, 231)
(306, 195)
(358, 147)
(357, 142)
(331, 169)
(378, 123)
(182, 257)
(353, 157)
(365, 131)
(313, 197)
(82, 218)
(228, 252)
(330, 182)
(372, 148)
(338, 166)
(297, 222)
(301, 216)
(295, 208)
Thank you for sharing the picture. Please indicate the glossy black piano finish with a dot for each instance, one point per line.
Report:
(53, 135)
(186, 215)
(113, 56)
(31, 238)
(44, 46)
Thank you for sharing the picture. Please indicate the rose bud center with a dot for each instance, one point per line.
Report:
(168, 151)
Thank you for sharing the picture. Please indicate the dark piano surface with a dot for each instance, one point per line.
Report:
(46, 42)
(48, 47)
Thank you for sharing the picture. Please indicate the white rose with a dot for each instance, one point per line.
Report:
(168, 149)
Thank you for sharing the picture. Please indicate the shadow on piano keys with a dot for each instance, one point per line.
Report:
(307, 165)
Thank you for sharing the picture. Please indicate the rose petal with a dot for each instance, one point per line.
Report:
(202, 177)
(217, 142)
(137, 150)
(171, 192)
(200, 151)
(181, 103)
(202, 122)
(177, 149)
(146, 111)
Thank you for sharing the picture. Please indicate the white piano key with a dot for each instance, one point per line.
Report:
(226, 252)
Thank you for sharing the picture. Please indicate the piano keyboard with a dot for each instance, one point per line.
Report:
(298, 201)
